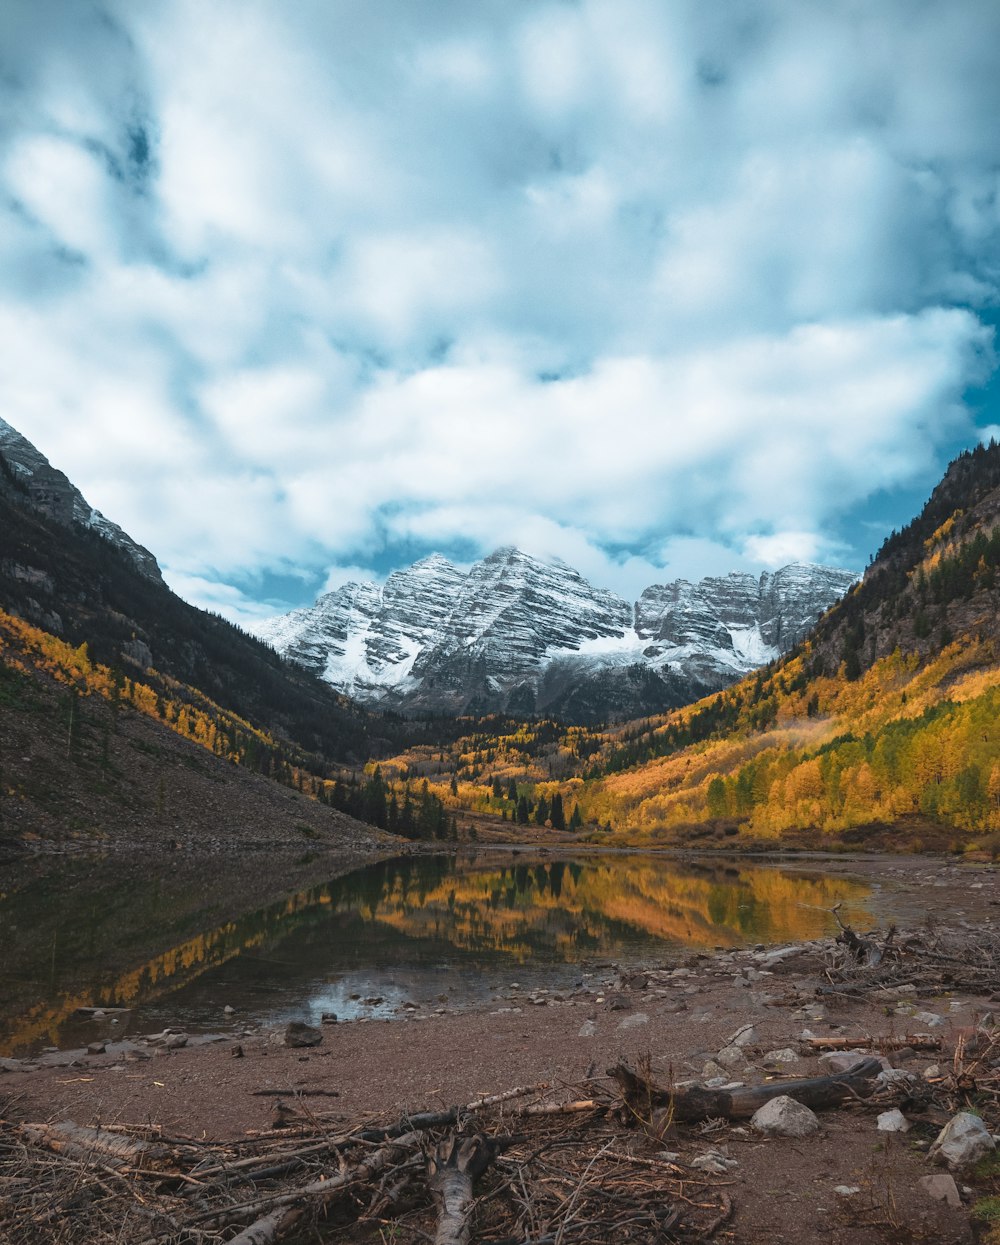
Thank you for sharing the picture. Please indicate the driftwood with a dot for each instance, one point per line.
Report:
(112, 1149)
(451, 1169)
(658, 1107)
(554, 1168)
(864, 950)
(914, 1041)
(278, 1215)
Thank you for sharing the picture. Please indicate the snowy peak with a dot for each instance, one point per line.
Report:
(518, 634)
(52, 492)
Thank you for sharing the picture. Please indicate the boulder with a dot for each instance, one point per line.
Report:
(941, 1188)
(784, 1117)
(299, 1034)
(893, 1121)
(962, 1142)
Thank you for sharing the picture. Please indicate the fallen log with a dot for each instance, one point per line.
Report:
(915, 1041)
(451, 1169)
(83, 1142)
(659, 1107)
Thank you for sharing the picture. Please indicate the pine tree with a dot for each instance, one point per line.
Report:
(557, 814)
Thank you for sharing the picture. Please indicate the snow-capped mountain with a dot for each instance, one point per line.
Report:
(52, 492)
(526, 636)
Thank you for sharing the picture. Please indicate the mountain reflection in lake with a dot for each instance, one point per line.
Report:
(416, 929)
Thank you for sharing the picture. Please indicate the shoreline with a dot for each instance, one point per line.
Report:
(681, 1018)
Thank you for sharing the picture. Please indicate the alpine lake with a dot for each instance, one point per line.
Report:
(173, 946)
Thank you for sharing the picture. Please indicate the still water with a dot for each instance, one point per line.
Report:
(435, 931)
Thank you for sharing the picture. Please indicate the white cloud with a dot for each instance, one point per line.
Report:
(632, 284)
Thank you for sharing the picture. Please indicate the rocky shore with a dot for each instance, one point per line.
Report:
(923, 1006)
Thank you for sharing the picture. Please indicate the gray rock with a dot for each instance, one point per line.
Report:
(730, 1057)
(931, 1019)
(893, 1121)
(299, 1034)
(941, 1188)
(784, 1117)
(962, 1142)
(846, 1190)
(715, 1162)
(587, 1029)
(746, 1035)
(634, 1021)
(846, 1060)
(785, 1055)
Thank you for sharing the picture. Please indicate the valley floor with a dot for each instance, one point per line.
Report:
(678, 1014)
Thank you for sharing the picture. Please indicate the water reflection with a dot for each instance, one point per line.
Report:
(432, 924)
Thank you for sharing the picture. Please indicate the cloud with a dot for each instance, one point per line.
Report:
(639, 286)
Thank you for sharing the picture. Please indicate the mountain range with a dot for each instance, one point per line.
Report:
(517, 635)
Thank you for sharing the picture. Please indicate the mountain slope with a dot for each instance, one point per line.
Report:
(53, 494)
(889, 712)
(520, 636)
(84, 582)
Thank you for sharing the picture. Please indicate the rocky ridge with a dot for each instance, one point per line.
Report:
(55, 495)
(519, 635)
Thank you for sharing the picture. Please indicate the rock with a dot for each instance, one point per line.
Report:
(634, 1021)
(843, 1060)
(893, 1121)
(786, 1055)
(931, 1019)
(933, 1072)
(228, 1010)
(97, 1048)
(714, 1072)
(898, 1078)
(745, 1035)
(328, 1018)
(299, 1034)
(941, 1188)
(846, 1190)
(784, 1117)
(587, 1029)
(715, 1162)
(730, 1057)
(174, 1041)
(962, 1142)
(12, 1065)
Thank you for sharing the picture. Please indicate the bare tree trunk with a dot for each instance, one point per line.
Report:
(451, 1169)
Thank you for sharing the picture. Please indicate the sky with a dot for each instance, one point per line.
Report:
(299, 293)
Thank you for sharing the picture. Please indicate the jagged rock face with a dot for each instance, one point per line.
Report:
(524, 636)
(53, 493)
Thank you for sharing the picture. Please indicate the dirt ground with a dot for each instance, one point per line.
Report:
(678, 1014)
